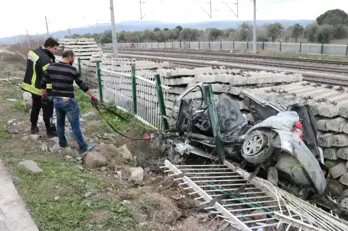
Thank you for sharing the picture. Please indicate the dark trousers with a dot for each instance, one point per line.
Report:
(35, 111)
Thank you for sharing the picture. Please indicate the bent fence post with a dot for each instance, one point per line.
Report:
(100, 86)
(161, 102)
(208, 97)
(134, 91)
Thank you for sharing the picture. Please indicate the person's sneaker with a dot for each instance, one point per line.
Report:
(34, 130)
(89, 148)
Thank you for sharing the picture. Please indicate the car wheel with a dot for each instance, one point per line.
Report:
(258, 146)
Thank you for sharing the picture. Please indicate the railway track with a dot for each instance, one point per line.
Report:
(333, 68)
(233, 55)
(319, 75)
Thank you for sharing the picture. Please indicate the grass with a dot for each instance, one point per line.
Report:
(57, 197)
(57, 200)
(118, 123)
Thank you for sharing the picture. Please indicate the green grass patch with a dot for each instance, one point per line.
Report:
(57, 196)
(4, 135)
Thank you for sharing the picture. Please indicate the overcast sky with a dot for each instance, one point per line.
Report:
(18, 15)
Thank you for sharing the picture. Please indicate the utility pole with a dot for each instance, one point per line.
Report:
(211, 9)
(254, 28)
(28, 39)
(141, 10)
(48, 33)
(37, 39)
(114, 36)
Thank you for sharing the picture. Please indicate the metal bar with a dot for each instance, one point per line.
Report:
(248, 203)
(208, 173)
(100, 86)
(219, 181)
(240, 225)
(161, 101)
(208, 96)
(79, 64)
(296, 223)
(197, 189)
(134, 91)
(246, 198)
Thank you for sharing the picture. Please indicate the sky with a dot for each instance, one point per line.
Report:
(17, 16)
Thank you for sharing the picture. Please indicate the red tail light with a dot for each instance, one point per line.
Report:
(298, 129)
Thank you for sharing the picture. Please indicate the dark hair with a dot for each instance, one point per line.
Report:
(51, 42)
(68, 53)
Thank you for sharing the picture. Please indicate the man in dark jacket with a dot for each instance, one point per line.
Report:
(37, 63)
(62, 76)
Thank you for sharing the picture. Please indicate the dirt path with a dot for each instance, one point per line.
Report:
(62, 194)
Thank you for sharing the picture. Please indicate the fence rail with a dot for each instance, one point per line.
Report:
(305, 48)
(143, 97)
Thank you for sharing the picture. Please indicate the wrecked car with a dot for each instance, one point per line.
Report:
(281, 141)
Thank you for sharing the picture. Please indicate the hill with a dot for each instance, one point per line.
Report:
(143, 25)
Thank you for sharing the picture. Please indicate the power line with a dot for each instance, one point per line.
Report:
(236, 13)
(210, 14)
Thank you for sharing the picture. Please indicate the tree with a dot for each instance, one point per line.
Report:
(310, 32)
(106, 37)
(341, 32)
(179, 28)
(188, 34)
(333, 17)
(157, 29)
(296, 31)
(325, 33)
(245, 32)
(262, 36)
(214, 33)
(274, 30)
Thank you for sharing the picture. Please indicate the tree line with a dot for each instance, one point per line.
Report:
(333, 24)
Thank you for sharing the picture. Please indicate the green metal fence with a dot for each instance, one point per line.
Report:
(145, 97)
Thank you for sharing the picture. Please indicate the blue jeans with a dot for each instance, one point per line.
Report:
(70, 109)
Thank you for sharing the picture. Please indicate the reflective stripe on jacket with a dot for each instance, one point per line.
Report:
(37, 63)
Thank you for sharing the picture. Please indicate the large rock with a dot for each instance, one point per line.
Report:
(34, 137)
(340, 140)
(330, 153)
(342, 153)
(325, 140)
(31, 166)
(125, 153)
(134, 174)
(12, 127)
(95, 160)
(344, 179)
(338, 170)
(336, 125)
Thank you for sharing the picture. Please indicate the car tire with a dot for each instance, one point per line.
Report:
(258, 146)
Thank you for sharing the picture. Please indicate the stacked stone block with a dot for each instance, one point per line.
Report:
(83, 48)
